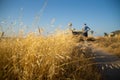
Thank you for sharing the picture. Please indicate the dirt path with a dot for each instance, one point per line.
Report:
(108, 64)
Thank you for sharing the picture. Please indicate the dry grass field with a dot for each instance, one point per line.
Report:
(52, 57)
(109, 44)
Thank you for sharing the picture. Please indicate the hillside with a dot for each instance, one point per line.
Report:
(116, 32)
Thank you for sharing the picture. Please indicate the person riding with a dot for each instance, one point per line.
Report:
(85, 30)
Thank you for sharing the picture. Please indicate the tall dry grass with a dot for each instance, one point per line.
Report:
(54, 57)
(110, 44)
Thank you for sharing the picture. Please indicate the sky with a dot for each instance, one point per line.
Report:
(100, 15)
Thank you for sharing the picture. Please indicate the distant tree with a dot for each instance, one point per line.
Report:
(105, 34)
(92, 32)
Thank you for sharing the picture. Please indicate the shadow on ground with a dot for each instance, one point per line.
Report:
(108, 65)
